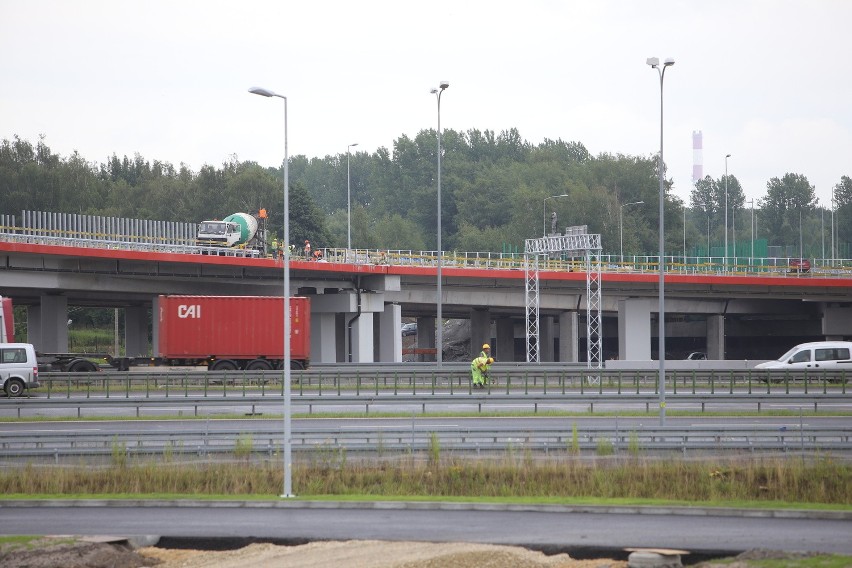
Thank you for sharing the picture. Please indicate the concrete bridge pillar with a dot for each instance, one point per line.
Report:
(361, 338)
(569, 337)
(634, 329)
(504, 350)
(390, 337)
(356, 328)
(545, 339)
(716, 336)
(47, 325)
(480, 330)
(323, 338)
(136, 331)
(836, 323)
(425, 337)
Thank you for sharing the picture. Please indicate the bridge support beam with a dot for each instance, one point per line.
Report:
(569, 337)
(136, 331)
(425, 337)
(357, 311)
(837, 323)
(323, 338)
(480, 330)
(47, 324)
(545, 339)
(716, 336)
(505, 348)
(634, 329)
(390, 337)
(361, 338)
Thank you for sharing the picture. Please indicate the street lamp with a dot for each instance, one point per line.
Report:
(544, 212)
(348, 203)
(734, 230)
(833, 205)
(439, 336)
(654, 62)
(621, 227)
(751, 202)
(726, 212)
(288, 457)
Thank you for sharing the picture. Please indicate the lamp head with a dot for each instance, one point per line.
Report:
(444, 84)
(669, 62)
(434, 91)
(261, 91)
(727, 155)
(653, 62)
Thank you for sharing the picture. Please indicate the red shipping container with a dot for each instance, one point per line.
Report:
(232, 327)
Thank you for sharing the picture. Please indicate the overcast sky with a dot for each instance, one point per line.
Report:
(767, 81)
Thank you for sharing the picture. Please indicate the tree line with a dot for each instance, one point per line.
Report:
(496, 191)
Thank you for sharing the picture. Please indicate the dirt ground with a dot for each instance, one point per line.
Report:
(361, 554)
(46, 553)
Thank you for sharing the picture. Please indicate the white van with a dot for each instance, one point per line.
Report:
(816, 355)
(18, 368)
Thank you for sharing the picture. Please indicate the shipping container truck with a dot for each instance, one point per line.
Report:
(223, 333)
(232, 332)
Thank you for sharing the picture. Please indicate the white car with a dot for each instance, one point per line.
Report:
(816, 355)
(18, 368)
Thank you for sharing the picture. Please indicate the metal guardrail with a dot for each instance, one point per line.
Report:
(426, 379)
(208, 441)
(390, 402)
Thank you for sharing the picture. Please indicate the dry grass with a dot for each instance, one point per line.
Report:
(822, 481)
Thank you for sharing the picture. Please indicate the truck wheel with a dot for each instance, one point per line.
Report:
(259, 365)
(224, 365)
(296, 366)
(14, 387)
(82, 367)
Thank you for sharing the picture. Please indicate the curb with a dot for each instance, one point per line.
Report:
(841, 515)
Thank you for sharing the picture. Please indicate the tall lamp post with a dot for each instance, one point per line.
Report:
(734, 230)
(833, 205)
(654, 62)
(621, 228)
(726, 212)
(288, 456)
(751, 202)
(439, 335)
(348, 202)
(544, 212)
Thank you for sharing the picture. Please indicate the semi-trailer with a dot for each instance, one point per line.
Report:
(222, 333)
(232, 332)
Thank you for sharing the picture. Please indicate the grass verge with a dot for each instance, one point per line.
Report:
(765, 483)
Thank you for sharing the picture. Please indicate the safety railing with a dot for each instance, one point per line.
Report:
(239, 441)
(86, 231)
(425, 379)
(196, 404)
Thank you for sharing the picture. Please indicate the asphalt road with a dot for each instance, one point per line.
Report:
(590, 529)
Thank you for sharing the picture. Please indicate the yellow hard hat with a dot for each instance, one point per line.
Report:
(486, 346)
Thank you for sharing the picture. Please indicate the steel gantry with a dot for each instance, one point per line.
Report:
(576, 242)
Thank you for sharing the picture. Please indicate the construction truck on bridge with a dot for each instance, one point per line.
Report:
(238, 230)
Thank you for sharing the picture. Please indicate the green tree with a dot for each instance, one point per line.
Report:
(787, 200)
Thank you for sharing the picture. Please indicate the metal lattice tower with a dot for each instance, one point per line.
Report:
(531, 303)
(576, 242)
